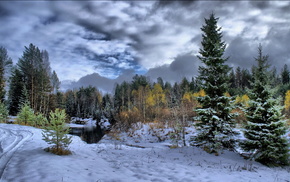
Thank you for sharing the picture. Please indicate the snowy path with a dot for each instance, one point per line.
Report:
(10, 141)
(24, 160)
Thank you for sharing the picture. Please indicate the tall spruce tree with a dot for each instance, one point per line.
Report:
(216, 122)
(265, 126)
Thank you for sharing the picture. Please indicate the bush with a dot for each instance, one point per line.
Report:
(127, 118)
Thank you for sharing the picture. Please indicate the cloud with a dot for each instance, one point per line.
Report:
(105, 39)
(241, 53)
(185, 65)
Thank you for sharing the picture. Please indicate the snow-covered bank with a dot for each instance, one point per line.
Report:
(116, 160)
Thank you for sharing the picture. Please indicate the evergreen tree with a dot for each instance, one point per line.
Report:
(33, 66)
(70, 103)
(55, 83)
(26, 115)
(232, 80)
(139, 80)
(107, 107)
(123, 97)
(246, 79)
(216, 122)
(238, 77)
(285, 75)
(60, 102)
(184, 86)
(265, 127)
(160, 82)
(5, 63)
(175, 95)
(3, 112)
(193, 87)
(55, 133)
(39, 120)
(17, 92)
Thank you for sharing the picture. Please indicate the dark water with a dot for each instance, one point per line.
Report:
(89, 134)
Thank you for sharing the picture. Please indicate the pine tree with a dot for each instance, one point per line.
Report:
(216, 122)
(5, 63)
(265, 126)
(17, 93)
(70, 103)
(56, 133)
(285, 75)
(34, 67)
(26, 115)
(185, 86)
(3, 112)
(54, 82)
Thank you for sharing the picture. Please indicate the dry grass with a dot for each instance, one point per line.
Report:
(157, 125)
(58, 151)
(114, 134)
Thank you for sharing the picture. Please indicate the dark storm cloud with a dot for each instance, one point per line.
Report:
(166, 3)
(163, 37)
(260, 4)
(3, 11)
(240, 53)
(185, 65)
(278, 47)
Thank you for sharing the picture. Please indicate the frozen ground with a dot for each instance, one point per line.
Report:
(23, 159)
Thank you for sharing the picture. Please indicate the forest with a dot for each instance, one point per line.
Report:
(32, 81)
(219, 97)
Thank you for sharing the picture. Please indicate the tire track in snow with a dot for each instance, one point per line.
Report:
(18, 137)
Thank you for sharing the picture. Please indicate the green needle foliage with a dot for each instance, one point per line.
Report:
(216, 122)
(265, 129)
(3, 113)
(26, 115)
(55, 133)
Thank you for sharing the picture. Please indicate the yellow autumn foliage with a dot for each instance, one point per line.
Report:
(201, 93)
(187, 97)
(287, 100)
(244, 99)
(227, 94)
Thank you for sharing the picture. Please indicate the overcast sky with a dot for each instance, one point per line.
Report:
(103, 42)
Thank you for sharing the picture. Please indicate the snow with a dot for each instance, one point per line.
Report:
(105, 124)
(121, 159)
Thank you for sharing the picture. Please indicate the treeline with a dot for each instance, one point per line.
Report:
(32, 81)
(240, 80)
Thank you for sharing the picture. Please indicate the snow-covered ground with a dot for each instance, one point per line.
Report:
(23, 159)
